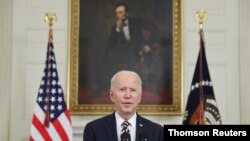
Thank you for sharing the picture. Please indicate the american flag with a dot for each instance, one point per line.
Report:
(51, 119)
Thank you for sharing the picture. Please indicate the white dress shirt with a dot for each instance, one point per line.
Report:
(125, 30)
(131, 127)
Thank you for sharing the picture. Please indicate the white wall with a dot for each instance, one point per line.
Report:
(5, 66)
(30, 41)
(244, 50)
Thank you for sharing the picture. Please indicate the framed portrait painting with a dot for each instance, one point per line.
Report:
(107, 36)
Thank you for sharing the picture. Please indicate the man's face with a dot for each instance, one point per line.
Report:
(120, 13)
(126, 94)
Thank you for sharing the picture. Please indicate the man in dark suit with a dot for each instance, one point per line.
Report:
(125, 124)
(131, 44)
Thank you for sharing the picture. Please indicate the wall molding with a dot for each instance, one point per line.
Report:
(5, 69)
(244, 49)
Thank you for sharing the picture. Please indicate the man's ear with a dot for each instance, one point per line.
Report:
(111, 94)
(139, 100)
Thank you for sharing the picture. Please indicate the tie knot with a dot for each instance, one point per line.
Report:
(125, 124)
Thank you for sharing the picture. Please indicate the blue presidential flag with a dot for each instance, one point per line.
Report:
(201, 106)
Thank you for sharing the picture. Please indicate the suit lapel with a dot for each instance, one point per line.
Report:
(131, 28)
(139, 126)
(110, 128)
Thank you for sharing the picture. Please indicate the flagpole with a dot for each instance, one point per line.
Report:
(49, 18)
(51, 119)
(201, 106)
(201, 16)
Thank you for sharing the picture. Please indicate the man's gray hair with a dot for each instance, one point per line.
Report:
(112, 82)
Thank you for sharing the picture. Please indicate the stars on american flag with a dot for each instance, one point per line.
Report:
(50, 97)
(56, 100)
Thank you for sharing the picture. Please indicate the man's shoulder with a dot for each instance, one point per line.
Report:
(135, 20)
(100, 121)
(149, 123)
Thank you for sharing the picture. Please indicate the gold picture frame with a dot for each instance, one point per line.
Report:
(74, 99)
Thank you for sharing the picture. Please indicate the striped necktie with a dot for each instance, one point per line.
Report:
(125, 136)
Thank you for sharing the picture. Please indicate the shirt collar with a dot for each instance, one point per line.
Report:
(132, 120)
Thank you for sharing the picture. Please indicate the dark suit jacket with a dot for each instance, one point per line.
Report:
(104, 129)
(127, 52)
